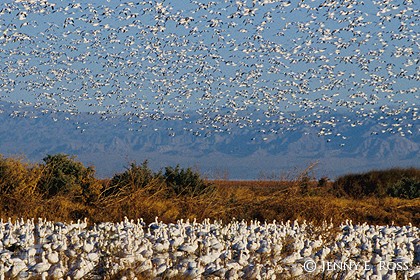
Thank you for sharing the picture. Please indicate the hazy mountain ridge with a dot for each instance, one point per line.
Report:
(242, 153)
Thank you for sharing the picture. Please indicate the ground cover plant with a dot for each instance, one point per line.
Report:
(61, 188)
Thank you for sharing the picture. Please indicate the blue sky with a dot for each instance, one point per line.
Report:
(159, 58)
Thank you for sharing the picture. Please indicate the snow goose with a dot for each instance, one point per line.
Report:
(291, 259)
(52, 256)
(18, 266)
(391, 275)
(296, 270)
(190, 246)
(57, 271)
(2, 271)
(42, 266)
(415, 276)
(144, 267)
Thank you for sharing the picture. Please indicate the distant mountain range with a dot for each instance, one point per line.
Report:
(239, 153)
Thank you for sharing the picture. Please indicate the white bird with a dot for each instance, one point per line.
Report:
(197, 257)
(42, 266)
(57, 271)
(18, 266)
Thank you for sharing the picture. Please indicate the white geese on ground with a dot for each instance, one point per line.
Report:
(235, 250)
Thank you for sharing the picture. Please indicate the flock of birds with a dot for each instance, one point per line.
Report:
(229, 61)
(234, 63)
(238, 250)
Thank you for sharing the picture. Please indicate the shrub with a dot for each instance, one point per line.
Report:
(394, 182)
(18, 181)
(407, 188)
(17, 177)
(304, 184)
(185, 181)
(133, 178)
(323, 182)
(66, 176)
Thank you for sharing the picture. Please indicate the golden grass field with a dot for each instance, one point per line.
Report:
(262, 200)
(300, 199)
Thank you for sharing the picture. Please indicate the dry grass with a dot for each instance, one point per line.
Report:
(262, 200)
(246, 200)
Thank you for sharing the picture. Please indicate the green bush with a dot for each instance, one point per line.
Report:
(393, 182)
(185, 181)
(407, 188)
(133, 178)
(64, 175)
(323, 182)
